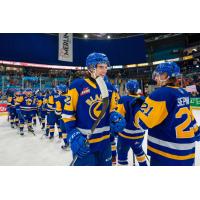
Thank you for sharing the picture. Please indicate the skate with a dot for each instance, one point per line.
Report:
(12, 126)
(21, 133)
(30, 129)
(51, 137)
(65, 147)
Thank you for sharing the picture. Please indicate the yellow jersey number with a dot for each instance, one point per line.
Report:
(180, 129)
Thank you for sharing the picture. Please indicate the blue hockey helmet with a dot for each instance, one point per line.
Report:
(96, 58)
(28, 90)
(132, 86)
(62, 88)
(170, 68)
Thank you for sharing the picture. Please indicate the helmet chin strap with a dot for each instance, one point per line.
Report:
(93, 73)
(163, 82)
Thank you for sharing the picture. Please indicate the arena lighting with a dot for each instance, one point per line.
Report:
(158, 62)
(131, 65)
(108, 36)
(117, 67)
(197, 66)
(85, 36)
(23, 64)
(142, 64)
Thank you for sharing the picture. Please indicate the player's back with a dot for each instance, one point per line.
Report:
(128, 106)
(172, 132)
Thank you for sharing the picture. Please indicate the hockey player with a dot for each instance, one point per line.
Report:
(48, 110)
(130, 137)
(24, 106)
(168, 116)
(82, 108)
(12, 109)
(41, 107)
(60, 102)
(52, 117)
(34, 110)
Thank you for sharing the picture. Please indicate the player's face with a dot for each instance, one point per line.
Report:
(101, 69)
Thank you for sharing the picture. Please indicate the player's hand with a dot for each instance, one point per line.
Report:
(117, 122)
(78, 143)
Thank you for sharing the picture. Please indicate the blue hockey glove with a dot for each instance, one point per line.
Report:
(117, 122)
(78, 143)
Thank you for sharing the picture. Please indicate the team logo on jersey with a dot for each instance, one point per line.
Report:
(85, 91)
(95, 106)
(28, 102)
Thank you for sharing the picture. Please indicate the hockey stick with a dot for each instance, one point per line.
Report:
(133, 158)
(105, 101)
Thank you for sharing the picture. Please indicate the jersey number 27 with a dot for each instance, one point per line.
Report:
(180, 129)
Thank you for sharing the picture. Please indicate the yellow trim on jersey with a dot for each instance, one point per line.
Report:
(64, 135)
(65, 120)
(136, 96)
(91, 141)
(171, 156)
(71, 100)
(173, 87)
(39, 103)
(58, 106)
(113, 148)
(141, 158)
(130, 137)
(92, 84)
(121, 109)
(51, 100)
(152, 113)
(114, 101)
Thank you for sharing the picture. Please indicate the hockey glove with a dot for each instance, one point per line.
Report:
(78, 143)
(117, 122)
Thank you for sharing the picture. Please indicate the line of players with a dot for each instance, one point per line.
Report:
(47, 105)
(24, 106)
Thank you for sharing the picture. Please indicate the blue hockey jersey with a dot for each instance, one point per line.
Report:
(51, 102)
(128, 110)
(11, 101)
(26, 103)
(60, 103)
(172, 127)
(83, 106)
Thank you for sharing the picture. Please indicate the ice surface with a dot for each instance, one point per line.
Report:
(30, 150)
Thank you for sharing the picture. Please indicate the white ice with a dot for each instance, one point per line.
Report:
(30, 150)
